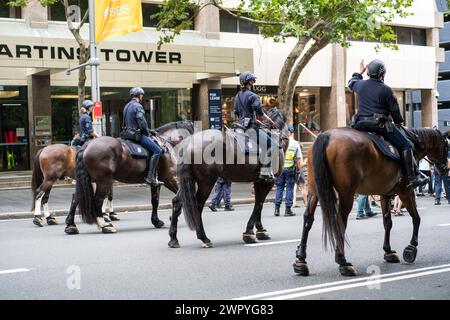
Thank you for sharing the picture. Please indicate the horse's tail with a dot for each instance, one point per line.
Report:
(187, 196)
(84, 191)
(332, 222)
(36, 178)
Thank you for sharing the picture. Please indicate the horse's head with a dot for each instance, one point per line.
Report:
(175, 132)
(279, 120)
(433, 144)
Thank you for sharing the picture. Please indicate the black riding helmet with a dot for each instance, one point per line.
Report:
(376, 69)
(245, 77)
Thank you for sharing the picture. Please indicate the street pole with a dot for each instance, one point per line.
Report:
(95, 88)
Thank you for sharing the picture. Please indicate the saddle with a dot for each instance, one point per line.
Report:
(246, 144)
(386, 148)
(135, 150)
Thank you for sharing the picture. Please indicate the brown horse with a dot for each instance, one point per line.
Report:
(106, 159)
(343, 162)
(197, 179)
(52, 163)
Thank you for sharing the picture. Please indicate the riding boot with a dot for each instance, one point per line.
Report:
(415, 179)
(151, 178)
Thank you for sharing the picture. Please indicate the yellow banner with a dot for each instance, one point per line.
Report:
(115, 18)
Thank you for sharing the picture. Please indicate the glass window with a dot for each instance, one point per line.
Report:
(307, 112)
(228, 23)
(403, 35)
(419, 37)
(147, 11)
(4, 10)
(56, 11)
(247, 27)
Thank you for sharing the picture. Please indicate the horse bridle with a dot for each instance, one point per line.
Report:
(438, 163)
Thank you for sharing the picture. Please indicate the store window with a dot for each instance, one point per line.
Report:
(13, 129)
(307, 113)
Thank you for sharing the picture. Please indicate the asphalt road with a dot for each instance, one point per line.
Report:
(136, 263)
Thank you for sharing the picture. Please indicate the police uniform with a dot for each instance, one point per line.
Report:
(287, 177)
(134, 118)
(86, 129)
(222, 189)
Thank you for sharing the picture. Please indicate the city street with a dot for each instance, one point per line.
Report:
(136, 263)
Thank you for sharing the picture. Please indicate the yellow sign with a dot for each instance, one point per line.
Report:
(115, 18)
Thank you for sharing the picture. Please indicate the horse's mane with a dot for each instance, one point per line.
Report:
(424, 137)
(184, 124)
(277, 116)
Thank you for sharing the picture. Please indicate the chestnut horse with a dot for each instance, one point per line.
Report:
(198, 178)
(343, 162)
(106, 159)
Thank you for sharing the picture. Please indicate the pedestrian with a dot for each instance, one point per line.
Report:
(397, 208)
(364, 209)
(222, 188)
(424, 167)
(301, 182)
(440, 180)
(293, 161)
(76, 141)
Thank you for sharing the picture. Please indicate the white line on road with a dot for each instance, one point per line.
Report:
(14, 271)
(270, 243)
(366, 281)
(444, 225)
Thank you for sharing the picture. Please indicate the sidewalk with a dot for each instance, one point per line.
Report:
(16, 203)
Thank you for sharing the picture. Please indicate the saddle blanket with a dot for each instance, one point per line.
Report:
(386, 148)
(245, 143)
(136, 150)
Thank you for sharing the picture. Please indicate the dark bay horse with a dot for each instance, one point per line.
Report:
(343, 162)
(106, 159)
(198, 175)
(52, 163)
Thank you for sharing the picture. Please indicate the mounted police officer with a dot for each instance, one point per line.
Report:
(377, 107)
(86, 131)
(246, 106)
(135, 124)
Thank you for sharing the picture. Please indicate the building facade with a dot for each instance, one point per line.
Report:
(38, 101)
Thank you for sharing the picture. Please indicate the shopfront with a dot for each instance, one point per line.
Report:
(13, 128)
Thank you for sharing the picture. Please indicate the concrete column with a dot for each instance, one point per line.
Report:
(207, 21)
(39, 104)
(35, 15)
(429, 108)
(203, 100)
(332, 100)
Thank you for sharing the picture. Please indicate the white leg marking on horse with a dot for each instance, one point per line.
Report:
(46, 210)
(105, 206)
(110, 205)
(37, 207)
(101, 222)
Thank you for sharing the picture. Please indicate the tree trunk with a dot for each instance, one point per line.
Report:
(81, 86)
(284, 103)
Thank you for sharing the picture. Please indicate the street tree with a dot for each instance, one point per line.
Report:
(312, 23)
(74, 27)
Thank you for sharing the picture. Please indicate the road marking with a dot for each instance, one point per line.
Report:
(364, 281)
(259, 244)
(444, 225)
(14, 271)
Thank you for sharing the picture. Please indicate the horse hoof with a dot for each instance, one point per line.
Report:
(37, 221)
(51, 221)
(391, 257)
(106, 218)
(109, 229)
(249, 238)
(347, 270)
(158, 224)
(262, 235)
(71, 230)
(207, 245)
(301, 268)
(114, 216)
(410, 253)
(174, 244)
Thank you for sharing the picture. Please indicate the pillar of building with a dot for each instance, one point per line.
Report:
(208, 24)
(35, 15)
(39, 105)
(332, 99)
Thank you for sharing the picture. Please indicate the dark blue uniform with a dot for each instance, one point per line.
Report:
(222, 189)
(86, 129)
(374, 97)
(246, 106)
(134, 118)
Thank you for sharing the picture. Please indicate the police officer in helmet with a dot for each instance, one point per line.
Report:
(134, 118)
(246, 106)
(377, 105)
(86, 131)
